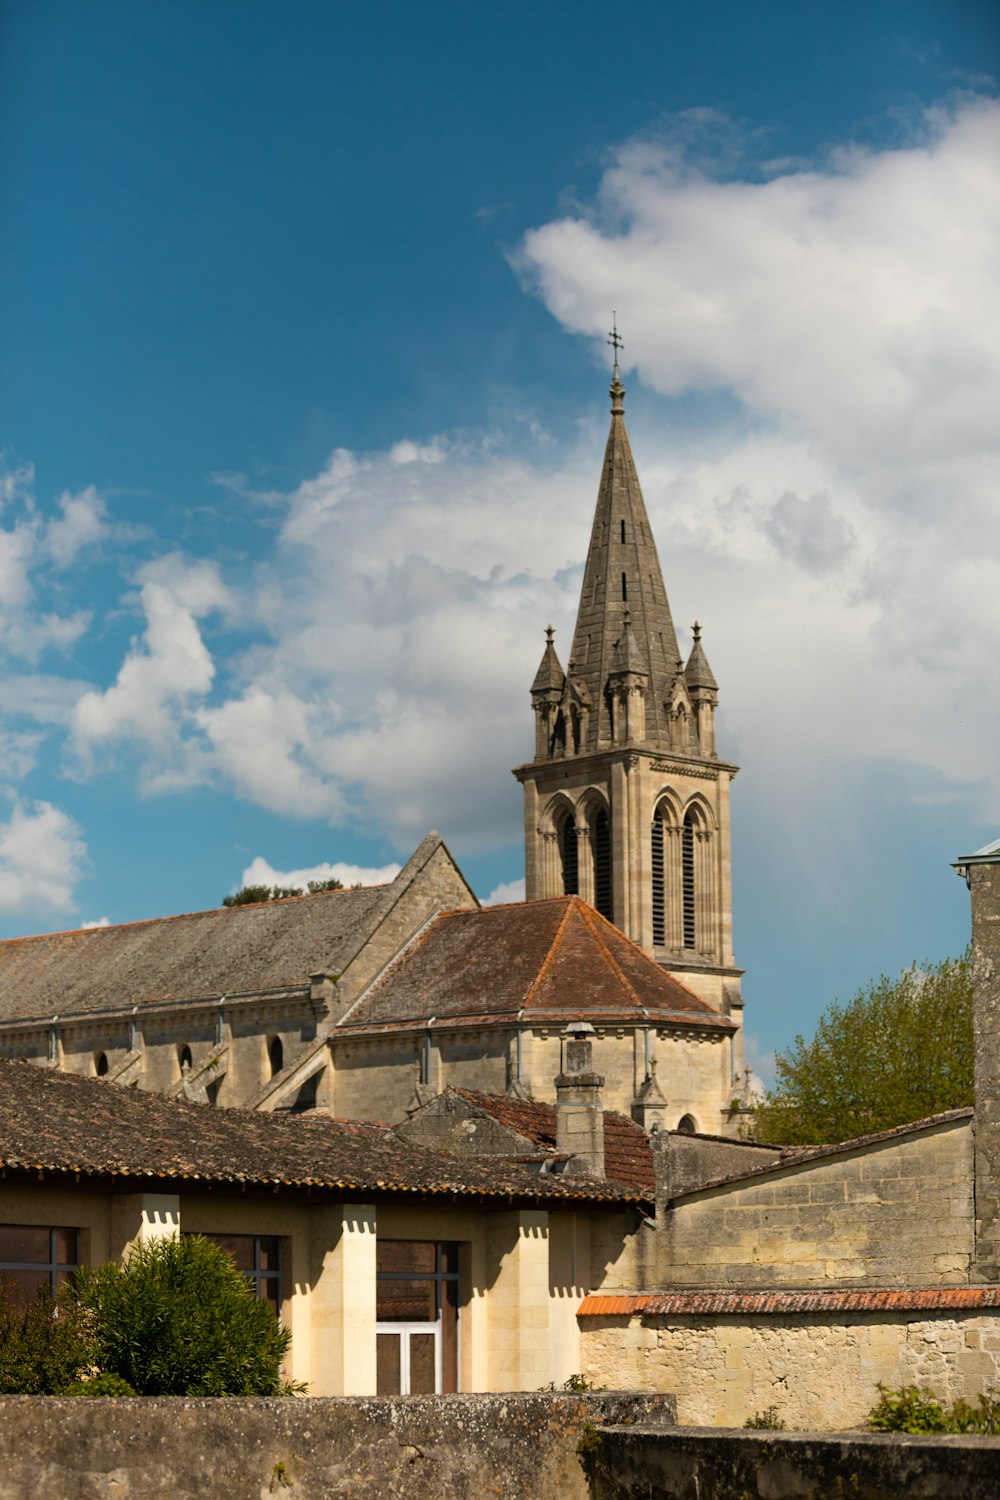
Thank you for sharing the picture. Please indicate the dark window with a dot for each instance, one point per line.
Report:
(185, 1058)
(602, 864)
(32, 1257)
(276, 1055)
(101, 1064)
(623, 531)
(687, 882)
(569, 856)
(416, 1289)
(687, 1125)
(659, 891)
(625, 587)
(258, 1256)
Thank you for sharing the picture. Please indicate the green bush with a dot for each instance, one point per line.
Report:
(768, 1420)
(100, 1385)
(912, 1410)
(45, 1345)
(178, 1319)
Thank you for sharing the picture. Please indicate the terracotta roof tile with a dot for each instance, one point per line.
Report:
(628, 1155)
(61, 1123)
(756, 1304)
(555, 958)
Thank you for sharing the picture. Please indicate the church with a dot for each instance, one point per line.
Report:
(369, 1003)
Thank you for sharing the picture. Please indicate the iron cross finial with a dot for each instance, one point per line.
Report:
(613, 339)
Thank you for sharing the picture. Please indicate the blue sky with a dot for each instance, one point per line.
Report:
(302, 403)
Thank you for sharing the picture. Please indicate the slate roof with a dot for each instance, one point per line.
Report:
(554, 959)
(61, 1123)
(628, 1155)
(241, 950)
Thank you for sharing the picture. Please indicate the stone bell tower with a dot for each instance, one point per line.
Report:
(626, 801)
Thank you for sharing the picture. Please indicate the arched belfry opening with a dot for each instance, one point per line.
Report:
(569, 854)
(600, 844)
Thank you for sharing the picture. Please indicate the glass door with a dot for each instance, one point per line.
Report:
(416, 1324)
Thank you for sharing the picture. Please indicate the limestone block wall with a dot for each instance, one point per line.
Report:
(897, 1212)
(820, 1371)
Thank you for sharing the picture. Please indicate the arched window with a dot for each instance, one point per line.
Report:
(569, 856)
(101, 1064)
(184, 1058)
(687, 1125)
(601, 843)
(276, 1055)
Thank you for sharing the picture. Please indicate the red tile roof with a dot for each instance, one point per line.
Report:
(628, 1155)
(755, 1304)
(555, 960)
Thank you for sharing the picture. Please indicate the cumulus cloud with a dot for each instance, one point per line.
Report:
(42, 857)
(164, 677)
(82, 523)
(260, 872)
(843, 544)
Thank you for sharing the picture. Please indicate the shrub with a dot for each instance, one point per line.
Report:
(767, 1419)
(44, 1345)
(912, 1410)
(178, 1319)
(100, 1385)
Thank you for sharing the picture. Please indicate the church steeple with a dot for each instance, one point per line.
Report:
(622, 577)
(626, 802)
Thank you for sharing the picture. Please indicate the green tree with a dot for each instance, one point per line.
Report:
(900, 1050)
(253, 895)
(178, 1319)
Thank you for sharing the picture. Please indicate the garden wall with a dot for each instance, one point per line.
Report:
(520, 1447)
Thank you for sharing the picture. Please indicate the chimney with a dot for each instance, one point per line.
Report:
(982, 875)
(579, 1108)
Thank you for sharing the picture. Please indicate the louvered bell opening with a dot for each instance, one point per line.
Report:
(570, 857)
(602, 865)
(687, 883)
(659, 900)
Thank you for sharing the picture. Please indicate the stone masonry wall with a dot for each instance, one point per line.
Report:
(820, 1371)
(893, 1213)
(412, 1447)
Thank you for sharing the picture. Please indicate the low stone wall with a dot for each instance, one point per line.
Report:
(820, 1369)
(633, 1464)
(517, 1447)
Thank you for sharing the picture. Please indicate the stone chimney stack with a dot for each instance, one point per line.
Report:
(579, 1107)
(982, 875)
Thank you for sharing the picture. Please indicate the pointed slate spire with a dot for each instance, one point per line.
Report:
(550, 676)
(623, 573)
(697, 673)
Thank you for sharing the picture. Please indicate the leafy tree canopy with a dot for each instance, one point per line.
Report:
(251, 895)
(900, 1050)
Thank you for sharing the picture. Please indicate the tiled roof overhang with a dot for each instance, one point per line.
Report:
(778, 1303)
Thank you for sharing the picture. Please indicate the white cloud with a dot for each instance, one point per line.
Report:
(163, 678)
(42, 855)
(100, 922)
(844, 547)
(501, 895)
(260, 872)
(83, 523)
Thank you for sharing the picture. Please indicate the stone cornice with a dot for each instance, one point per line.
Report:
(595, 762)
